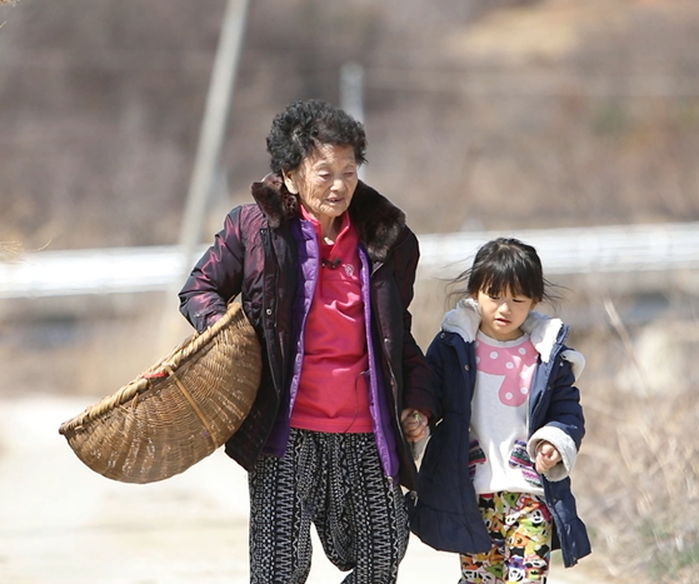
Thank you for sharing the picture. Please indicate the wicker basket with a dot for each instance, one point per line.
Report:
(178, 411)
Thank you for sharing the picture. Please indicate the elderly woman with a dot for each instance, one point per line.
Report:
(324, 266)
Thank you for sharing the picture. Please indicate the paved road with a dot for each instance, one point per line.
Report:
(61, 523)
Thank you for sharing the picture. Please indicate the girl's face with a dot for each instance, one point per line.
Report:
(502, 316)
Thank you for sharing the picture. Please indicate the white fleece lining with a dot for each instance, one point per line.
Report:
(576, 360)
(543, 332)
(563, 443)
(465, 318)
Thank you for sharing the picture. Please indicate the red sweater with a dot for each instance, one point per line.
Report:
(333, 394)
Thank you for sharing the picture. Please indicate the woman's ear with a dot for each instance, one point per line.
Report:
(289, 183)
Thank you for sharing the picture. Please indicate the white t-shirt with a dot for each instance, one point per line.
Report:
(499, 418)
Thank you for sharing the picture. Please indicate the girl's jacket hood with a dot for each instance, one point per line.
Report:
(545, 332)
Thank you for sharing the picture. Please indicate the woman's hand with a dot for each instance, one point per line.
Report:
(414, 424)
(546, 456)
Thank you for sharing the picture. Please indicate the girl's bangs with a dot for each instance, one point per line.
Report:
(506, 279)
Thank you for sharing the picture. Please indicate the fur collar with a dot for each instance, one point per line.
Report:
(544, 331)
(377, 220)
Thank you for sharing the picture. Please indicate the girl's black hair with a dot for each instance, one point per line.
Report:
(306, 124)
(505, 264)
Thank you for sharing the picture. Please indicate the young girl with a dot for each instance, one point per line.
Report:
(493, 484)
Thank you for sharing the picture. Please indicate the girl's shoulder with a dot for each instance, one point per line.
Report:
(576, 360)
(463, 320)
(548, 334)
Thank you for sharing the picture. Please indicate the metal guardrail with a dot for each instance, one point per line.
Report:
(91, 271)
(621, 249)
(582, 250)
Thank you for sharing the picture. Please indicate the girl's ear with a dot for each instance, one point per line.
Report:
(289, 182)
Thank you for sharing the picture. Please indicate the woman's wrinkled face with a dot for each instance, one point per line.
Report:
(325, 181)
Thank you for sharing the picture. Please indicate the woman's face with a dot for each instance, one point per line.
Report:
(325, 181)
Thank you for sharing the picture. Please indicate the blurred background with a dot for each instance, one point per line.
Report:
(573, 125)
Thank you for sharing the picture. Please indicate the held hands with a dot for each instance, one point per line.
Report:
(546, 457)
(414, 424)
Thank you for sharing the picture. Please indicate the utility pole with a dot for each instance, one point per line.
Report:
(218, 103)
(352, 93)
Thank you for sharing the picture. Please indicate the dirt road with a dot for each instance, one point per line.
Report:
(61, 523)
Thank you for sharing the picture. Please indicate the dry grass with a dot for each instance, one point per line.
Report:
(9, 250)
(637, 483)
(544, 30)
(637, 479)
(82, 356)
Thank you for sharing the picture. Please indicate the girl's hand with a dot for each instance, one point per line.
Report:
(414, 424)
(546, 456)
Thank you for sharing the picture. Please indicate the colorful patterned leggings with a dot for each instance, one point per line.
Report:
(336, 482)
(520, 528)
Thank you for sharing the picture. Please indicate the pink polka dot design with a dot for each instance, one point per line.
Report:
(516, 368)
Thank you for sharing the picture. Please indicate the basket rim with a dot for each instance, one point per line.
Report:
(161, 370)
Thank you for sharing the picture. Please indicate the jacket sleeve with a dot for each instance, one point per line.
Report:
(565, 422)
(416, 372)
(216, 278)
(435, 361)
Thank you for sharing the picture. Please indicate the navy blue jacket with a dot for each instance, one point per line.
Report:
(444, 512)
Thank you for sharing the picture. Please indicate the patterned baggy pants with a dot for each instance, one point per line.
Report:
(520, 528)
(336, 482)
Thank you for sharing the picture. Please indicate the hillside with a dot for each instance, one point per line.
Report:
(501, 115)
